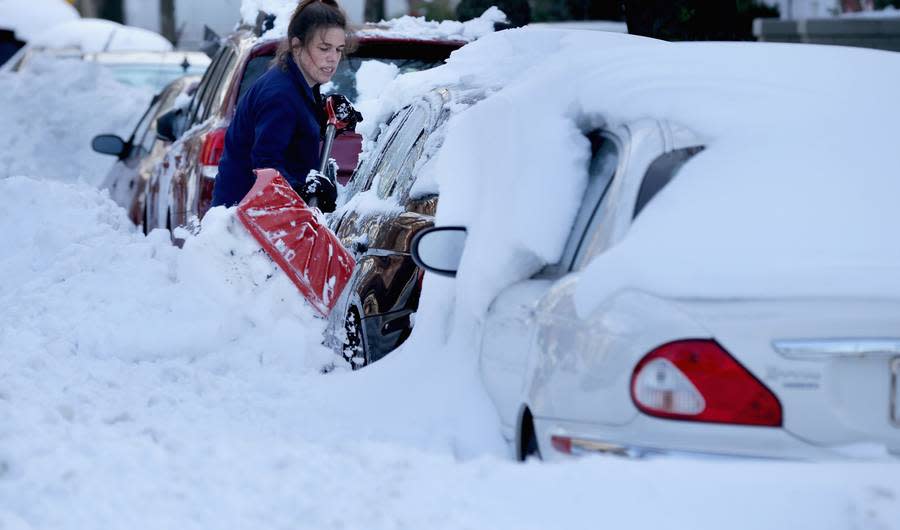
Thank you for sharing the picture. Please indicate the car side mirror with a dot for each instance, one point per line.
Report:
(439, 249)
(165, 125)
(110, 144)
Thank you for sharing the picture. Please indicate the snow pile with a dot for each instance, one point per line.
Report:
(784, 128)
(53, 109)
(92, 35)
(405, 27)
(29, 18)
(408, 27)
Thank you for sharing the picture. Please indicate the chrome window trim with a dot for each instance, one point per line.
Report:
(818, 349)
(895, 391)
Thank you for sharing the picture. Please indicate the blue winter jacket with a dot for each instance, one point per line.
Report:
(276, 125)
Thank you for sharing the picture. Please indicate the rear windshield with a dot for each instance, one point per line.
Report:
(344, 80)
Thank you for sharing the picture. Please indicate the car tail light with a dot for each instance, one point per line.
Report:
(213, 147)
(563, 444)
(698, 380)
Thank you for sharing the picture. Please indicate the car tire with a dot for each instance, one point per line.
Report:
(527, 445)
(353, 347)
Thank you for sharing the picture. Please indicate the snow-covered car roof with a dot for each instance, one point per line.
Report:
(793, 195)
(145, 57)
(29, 18)
(92, 35)
(406, 27)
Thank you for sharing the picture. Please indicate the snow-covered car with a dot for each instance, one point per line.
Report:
(726, 279)
(137, 156)
(76, 38)
(391, 200)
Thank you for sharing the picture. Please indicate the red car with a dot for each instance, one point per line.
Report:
(180, 191)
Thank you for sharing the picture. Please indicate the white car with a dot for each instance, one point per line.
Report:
(578, 360)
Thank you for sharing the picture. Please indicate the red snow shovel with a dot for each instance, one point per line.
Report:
(293, 235)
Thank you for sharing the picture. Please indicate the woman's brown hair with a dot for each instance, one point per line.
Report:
(309, 17)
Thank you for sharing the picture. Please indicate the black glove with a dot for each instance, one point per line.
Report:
(340, 111)
(318, 191)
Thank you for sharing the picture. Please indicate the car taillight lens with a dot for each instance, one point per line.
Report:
(213, 147)
(698, 380)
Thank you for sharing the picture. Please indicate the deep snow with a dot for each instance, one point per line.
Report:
(146, 386)
(52, 110)
(29, 18)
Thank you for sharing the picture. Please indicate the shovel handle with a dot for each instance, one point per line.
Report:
(326, 146)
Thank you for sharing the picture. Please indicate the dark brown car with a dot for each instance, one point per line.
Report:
(180, 192)
(392, 199)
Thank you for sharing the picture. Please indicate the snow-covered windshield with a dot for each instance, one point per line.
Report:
(154, 77)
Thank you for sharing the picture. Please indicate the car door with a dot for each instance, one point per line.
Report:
(510, 327)
(384, 286)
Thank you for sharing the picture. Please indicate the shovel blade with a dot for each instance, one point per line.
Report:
(292, 234)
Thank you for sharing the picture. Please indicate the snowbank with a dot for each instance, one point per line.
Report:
(405, 27)
(29, 18)
(92, 35)
(408, 27)
(51, 111)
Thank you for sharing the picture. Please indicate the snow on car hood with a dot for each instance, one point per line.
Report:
(29, 18)
(405, 27)
(793, 195)
(92, 35)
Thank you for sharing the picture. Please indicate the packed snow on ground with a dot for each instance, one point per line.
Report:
(51, 111)
(92, 35)
(147, 386)
(28, 18)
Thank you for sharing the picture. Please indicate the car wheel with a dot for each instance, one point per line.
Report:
(354, 347)
(527, 444)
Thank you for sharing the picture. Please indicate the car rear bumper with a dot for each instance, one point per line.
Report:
(646, 436)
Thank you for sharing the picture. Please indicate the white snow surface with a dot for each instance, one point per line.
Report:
(147, 386)
(419, 28)
(405, 27)
(92, 35)
(53, 109)
(29, 18)
(795, 185)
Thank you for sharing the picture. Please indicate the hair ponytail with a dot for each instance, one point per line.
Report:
(309, 17)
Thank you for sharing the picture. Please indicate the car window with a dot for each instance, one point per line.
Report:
(660, 173)
(165, 103)
(601, 170)
(344, 80)
(146, 128)
(204, 87)
(605, 150)
(213, 98)
(363, 178)
(399, 157)
(256, 67)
